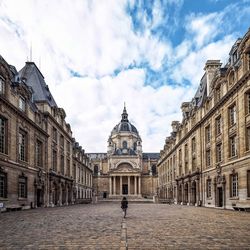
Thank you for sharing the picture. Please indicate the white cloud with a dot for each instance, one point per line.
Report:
(95, 38)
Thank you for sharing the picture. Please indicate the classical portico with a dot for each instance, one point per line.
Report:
(124, 170)
(125, 185)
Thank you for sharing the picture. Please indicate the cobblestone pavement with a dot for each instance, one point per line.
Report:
(147, 226)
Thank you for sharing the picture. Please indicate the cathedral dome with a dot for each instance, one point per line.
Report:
(124, 125)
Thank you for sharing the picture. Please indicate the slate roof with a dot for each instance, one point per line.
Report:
(201, 92)
(151, 155)
(34, 78)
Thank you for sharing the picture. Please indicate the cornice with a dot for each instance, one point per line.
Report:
(220, 103)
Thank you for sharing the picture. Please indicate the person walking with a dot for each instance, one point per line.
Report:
(124, 206)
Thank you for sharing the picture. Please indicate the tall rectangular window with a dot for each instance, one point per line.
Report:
(38, 152)
(62, 141)
(3, 135)
(68, 147)
(209, 188)
(247, 101)
(208, 157)
(62, 164)
(232, 146)
(186, 153)
(22, 145)
(218, 153)
(22, 103)
(22, 187)
(248, 183)
(3, 185)
(193, 145)
(207, 134)
(2, 86)
(248, 138)
(217, 94)
(54, 160)
(54, 134)
(218, 125)
(68, 167)
(234, 185)
(232, 115)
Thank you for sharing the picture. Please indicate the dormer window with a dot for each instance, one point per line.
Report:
(21, 103)
(2, 86)
(124, 144)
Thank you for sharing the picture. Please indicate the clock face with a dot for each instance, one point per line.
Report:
(124, 151)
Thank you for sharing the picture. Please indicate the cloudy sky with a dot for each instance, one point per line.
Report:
(96, 55)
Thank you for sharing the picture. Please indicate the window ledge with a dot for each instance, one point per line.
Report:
(3, 199)
(22, 199)
(233, 157)
(234, 198)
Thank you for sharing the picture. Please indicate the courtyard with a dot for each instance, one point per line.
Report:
(147, 226)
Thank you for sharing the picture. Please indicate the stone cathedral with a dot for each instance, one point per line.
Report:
(124, 170)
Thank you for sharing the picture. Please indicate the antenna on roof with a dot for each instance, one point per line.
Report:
(40, 62)
(31, 52)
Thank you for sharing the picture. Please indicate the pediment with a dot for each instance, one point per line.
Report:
(125, 168)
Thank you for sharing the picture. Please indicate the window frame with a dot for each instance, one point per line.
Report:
(2, 86)
(3, 185)
(22, 187)
(23, 146)
(209, 188)
(232, 146)
(232, 115)
(208, 134)
(234, 185)
(22, 103)
(247, 103)
(219, 156)
(208, 153)
(218, 127)
(4, 136)
(39, 153)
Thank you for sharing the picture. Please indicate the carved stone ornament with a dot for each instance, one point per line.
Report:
(218, 169)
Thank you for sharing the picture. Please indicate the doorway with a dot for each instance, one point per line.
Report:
(38, 197)
(124, 188)
(220, 197)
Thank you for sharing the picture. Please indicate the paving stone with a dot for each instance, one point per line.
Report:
(147, 226)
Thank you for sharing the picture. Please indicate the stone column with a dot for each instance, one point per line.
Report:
(120, 185)
(60, 194)
(66, 195)
(110, 185)
(182, 193)
(139, 185)
(114, 185)
(128, 185)
(135, 185)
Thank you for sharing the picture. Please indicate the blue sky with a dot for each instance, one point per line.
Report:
(96, 55)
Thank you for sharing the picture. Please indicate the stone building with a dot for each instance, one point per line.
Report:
(82, 174)
(124, 169)
(206, 159)
(36, 162)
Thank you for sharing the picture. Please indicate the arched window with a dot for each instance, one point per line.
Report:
(153, 169)
(124, 144)
(135, 146)
(96, 169)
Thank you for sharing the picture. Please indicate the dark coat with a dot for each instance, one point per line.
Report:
(124, 204)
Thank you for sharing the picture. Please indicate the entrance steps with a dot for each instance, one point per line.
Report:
(130, 199)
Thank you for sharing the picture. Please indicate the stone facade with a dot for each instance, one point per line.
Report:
(82, 174)
(124, 170)
(206, 160)
(36, 144)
